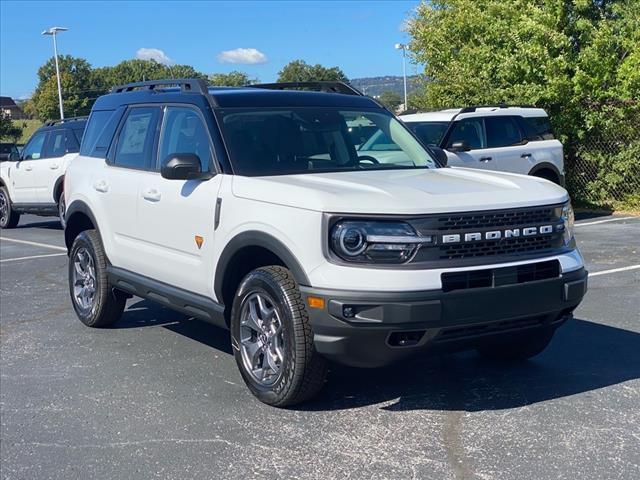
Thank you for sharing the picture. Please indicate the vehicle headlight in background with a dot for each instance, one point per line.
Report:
(361, 241)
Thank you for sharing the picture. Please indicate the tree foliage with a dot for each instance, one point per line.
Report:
(231, 79)
(300, 71)
(578, 59)
(8, 129)
(390, 99)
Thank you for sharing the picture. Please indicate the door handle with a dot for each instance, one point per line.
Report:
(101, 186)
(28, 168)
(54, 166)
(486, 159)
(152, 195)
(525, 155)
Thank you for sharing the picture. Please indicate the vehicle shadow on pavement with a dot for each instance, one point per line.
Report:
(583, 356)
(143, 313)
(48, 225)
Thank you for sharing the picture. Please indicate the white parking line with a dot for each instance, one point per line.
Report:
(604, 221)
(34, 244)
(32, 257)
(614, 270)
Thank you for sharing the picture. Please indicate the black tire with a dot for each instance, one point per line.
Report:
(518, 348)
(107, 304)
(61, 211)
(302, 370)
(8, 217)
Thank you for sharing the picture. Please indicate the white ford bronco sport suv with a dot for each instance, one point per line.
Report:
(250, 208)
(509, 139)
(32, 182)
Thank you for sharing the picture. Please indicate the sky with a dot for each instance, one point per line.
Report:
(257, 37)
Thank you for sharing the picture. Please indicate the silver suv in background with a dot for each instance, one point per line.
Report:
(509, 139)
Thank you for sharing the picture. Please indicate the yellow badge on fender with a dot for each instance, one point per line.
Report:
(199, 241)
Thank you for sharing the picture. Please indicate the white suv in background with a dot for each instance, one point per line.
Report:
(509, 139)
(32, 182)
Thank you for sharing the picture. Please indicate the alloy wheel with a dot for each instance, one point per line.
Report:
(261, 339)
(84, 279)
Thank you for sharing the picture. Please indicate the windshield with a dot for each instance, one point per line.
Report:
(430, 133)
(311, 140)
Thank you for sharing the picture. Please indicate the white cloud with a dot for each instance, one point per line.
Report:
(153, 54)
(247, 56)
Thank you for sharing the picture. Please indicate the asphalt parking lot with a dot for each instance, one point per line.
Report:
(159, 395)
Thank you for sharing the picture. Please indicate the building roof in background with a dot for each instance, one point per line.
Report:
(7, 102)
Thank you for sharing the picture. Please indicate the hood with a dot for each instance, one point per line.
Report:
(440, 190)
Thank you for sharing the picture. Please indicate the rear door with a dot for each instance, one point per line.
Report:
(177, 217)
(60, 145)
(471, 132)
(130, 157)
(22, 174)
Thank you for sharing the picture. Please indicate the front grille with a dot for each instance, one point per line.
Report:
(503, 218)
(505, 246)
(476, 251)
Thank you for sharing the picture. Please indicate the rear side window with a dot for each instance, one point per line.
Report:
(56, 145)
(134, 147)
(502, 132)
(97, 122)
(538, 128)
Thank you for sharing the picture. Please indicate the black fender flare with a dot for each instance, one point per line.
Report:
(77, 206)
(547, 166)
(57, 185)
(254, 238)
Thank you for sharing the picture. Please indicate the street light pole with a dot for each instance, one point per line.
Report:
(53, 31)
(403, 47)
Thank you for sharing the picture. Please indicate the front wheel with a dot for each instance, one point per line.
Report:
(521, 347)
(8, 217)
(96, 303)
(272, 339)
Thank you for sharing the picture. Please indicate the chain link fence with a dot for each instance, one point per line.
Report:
(605, 171)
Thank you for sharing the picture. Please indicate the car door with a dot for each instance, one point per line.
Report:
(177, 217)
(504, 135)
(116, 185)
(60, 145)
(470, 132)
(22, 174)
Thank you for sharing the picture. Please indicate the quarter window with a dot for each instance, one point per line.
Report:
(185, 132)
(502, 132)
(136, 138)
(538, 128)
(35, 148)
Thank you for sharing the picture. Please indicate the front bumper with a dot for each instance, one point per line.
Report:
(372, 329)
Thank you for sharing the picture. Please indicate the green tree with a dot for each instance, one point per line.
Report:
(390, 99)
(136, 70)
(300, 71)
(231, 79)
(9, 130)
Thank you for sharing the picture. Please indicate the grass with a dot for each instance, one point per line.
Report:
(30, 126)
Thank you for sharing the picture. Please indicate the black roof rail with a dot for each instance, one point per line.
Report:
(473, 108)
(50, 123)
(317, 86)
(195, 85)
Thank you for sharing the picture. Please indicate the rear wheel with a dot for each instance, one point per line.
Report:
(272, 339)
(547, 175)
(96, 303)
(517, 348)
(61, 210)
(8, 217)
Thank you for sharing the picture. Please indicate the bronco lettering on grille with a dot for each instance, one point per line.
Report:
(497, 234)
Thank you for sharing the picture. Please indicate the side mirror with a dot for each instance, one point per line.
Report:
(461, 146)
(440, 154)
(14, 157)
(183, 166)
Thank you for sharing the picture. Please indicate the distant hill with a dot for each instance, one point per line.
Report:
(374, 86)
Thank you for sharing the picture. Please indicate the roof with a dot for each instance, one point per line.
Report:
(232, 97)
(7, 102)
(458, 113)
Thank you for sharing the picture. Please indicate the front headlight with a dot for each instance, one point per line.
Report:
(567, 220)
(360, 241)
